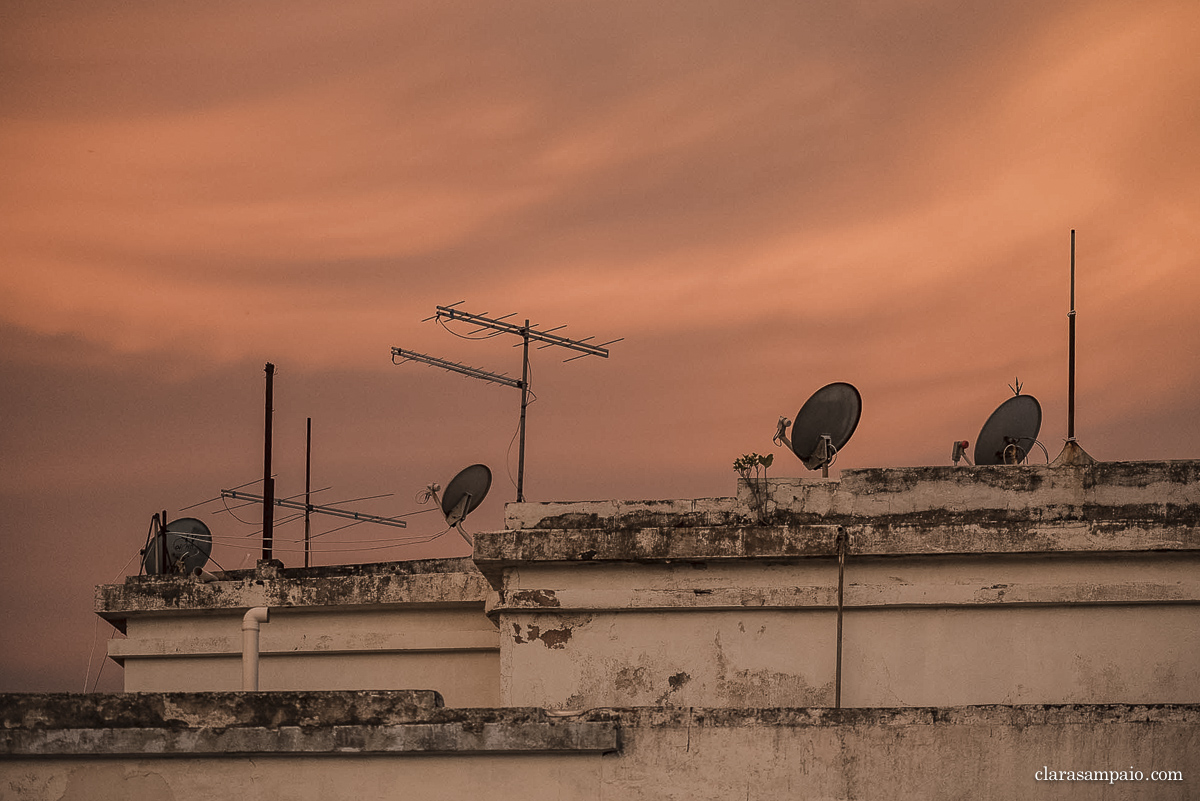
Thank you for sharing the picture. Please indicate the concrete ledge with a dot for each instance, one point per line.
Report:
(857, 596)
(431, 583)
(47, 726)
(460, 738)
(404, 642)
(311, 723)
(495, 551)
(308, 723)
(1001, 715)
(1163, 493)
(45, 711)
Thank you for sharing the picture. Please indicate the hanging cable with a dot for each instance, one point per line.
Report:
(96, 629)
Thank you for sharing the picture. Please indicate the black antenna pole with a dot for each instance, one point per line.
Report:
(524, 406)
(1071, 351)
(162, 543)
(307, 487)
(268, 482)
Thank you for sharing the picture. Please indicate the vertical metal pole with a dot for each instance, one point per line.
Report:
(837, 679)
(268, 482)
(164, 561)
(524, 405)
(307, 487)
(1071, 351)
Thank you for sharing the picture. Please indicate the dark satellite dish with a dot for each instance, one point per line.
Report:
(1010, 432)
(188, 543)
(465, 492)
(823, 425)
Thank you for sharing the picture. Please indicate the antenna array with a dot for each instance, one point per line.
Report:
(308, 507)
(497, 326)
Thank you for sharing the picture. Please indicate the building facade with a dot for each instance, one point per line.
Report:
(900, 633)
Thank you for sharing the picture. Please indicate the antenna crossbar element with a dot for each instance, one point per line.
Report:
(457, 367)
(325, 510)
(451, 313)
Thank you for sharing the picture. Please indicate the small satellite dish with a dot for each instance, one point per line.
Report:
(188, 543)
(463, 495)
(465, 492)
(823, 425)
(1010, 432)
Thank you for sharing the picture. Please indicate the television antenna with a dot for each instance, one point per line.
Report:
(497, 326)
(823, 425)
(286, 503)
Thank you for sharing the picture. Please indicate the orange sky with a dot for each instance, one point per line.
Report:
(761, 198)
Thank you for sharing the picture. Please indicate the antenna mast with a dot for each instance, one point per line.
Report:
(1071, 351)
(268, 482)
(1071, 454)
(498, 326)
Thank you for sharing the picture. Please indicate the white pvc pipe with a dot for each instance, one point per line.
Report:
(250, 624)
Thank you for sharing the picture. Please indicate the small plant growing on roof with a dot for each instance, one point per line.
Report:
(753, 468)
(753, 463)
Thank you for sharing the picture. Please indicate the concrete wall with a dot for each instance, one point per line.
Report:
(301, 649)
(916, 632)
(391, 626)
(267, 746)
(994, 585)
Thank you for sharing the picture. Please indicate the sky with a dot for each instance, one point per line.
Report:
(759, 198)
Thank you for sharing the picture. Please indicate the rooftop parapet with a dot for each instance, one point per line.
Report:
(1107, 506)
(428, 583)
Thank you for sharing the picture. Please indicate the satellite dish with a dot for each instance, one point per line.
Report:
(823, 425)
(465, 492)
(188, 543)
(1010, 432)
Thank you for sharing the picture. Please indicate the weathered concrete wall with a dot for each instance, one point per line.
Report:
(1109, 506)
(990, 585)
(921, 632)
(961, 586)
(388, 626)
(270, 746)
(349, 649)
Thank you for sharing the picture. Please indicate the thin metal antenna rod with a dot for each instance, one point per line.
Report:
(456, 367)
(324, 510)
(307, 488)
(1071, 351)
(524, 331)
(268, 482)
(524, 406)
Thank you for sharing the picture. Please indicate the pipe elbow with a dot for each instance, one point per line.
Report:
(203, 576)
(254, 616)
